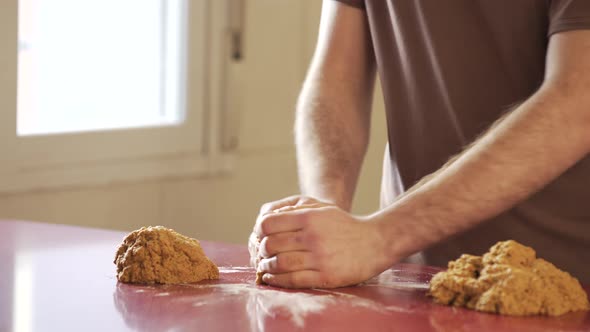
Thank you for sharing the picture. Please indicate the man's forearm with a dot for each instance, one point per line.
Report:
(532, 146)
(332, 135)
(333, 112)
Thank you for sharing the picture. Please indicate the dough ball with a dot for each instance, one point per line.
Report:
(162, 256)
(508, 280)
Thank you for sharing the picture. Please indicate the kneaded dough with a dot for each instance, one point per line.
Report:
(508, 280)
(162, 256)
(259, 273)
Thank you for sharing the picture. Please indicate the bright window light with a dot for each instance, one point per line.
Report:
(87, 65)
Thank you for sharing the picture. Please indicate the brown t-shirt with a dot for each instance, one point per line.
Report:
(448, 70)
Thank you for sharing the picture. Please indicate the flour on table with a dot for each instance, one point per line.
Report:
(236, 268)
(233, 270)
(298, 305)
(269, 302)
(396, 279)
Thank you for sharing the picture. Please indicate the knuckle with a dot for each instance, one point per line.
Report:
(309, 236)
(273, 264)
(271, 245)
(299, 238)
(305, 199)
(265, 265)
(265, 207)
(265, 247)
(282, 262)
(265, 222)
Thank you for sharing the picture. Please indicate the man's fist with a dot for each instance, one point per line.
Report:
(283, 205)
(300, 242)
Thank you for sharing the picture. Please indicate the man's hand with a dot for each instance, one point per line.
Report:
(321, 246)
(282, 204)
(332, 134)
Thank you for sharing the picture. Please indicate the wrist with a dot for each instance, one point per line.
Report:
(395, 240)
(331, 195)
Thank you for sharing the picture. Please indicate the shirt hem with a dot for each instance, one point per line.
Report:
(568, 25)
(352, 3)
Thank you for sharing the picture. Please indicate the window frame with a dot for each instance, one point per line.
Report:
(89, 158)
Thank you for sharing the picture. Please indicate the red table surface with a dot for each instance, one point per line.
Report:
(62, 278)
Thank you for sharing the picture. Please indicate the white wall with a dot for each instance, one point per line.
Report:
(280, 36)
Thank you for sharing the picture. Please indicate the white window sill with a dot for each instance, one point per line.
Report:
(108, 172)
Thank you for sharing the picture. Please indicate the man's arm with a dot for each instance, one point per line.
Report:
(333, 114)
(518, 156)
(529, 148)
(334, 108)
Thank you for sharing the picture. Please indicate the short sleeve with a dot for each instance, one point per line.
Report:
(354, 3)
(567, 15)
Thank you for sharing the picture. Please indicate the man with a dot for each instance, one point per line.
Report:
(502, 85)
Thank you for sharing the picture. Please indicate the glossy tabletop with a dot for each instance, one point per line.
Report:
(62, 278)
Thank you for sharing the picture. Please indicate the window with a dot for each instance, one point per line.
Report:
(91, 65)
(110, 90)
